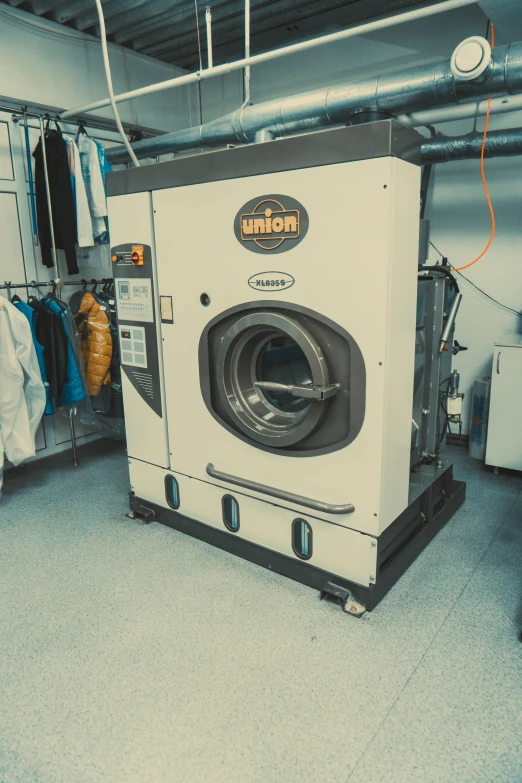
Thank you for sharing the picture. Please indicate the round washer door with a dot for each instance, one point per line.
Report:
(271, 348)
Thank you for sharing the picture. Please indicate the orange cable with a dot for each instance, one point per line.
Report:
(483, 173)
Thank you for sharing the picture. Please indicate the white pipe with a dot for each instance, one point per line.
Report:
(247, 52)
(219, 70)
(208, 20)
(112, 98)
(462, 111)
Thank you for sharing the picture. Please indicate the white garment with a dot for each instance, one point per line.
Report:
(22, 393)
(93, 178)
(83, 217)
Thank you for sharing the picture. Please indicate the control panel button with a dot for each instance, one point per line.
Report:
(133, 347)
(137, 255)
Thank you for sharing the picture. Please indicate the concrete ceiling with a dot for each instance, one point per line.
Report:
(166, 29)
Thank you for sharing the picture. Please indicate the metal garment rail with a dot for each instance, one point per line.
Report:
(55, 283)
(8, 286)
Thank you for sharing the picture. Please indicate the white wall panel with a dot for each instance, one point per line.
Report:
(11, 259)
(45, 63)
(6, 163)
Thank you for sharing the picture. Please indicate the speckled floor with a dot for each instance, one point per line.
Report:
(134, 654)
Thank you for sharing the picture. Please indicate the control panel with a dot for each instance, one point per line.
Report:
(137, 328)
(135, 302)
(133, 346)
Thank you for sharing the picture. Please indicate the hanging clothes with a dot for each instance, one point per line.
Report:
(50, 334)
(73, 389)
(81, 204)
(22, 393)
(95, 339)
(93, 157)
(64, 218)
(114, 406)
(32, 317)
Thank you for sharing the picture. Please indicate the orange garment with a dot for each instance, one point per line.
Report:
(96, 343)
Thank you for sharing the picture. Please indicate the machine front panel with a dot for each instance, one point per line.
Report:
(134, 270)
(136, 321)
(334, 548)
(360, 241)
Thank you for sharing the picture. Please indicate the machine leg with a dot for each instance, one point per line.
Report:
(495, 471)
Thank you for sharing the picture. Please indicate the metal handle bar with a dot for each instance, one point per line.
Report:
(316, 505)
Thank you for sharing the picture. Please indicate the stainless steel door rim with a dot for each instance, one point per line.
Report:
(237, 370)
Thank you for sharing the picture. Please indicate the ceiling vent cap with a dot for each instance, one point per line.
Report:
(471, 58)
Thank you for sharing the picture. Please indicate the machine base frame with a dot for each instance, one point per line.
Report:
(398, 546)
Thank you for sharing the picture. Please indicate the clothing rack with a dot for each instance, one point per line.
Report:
(18, 109)
(24, 113)
(54, 284)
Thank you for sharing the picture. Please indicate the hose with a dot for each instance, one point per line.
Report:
(103, 36)
(445, 272)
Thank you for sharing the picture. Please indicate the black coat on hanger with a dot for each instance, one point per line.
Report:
(62, 203)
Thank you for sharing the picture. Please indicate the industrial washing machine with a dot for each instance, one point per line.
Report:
(280, 356)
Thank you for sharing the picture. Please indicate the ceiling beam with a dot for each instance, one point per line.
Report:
(89, 18)
(506, 15)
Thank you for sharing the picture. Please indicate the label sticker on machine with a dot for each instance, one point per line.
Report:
(276, 281)
(167, 310)
(271, 224)
(135, 299)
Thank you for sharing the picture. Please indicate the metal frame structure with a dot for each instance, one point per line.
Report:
(218, 70)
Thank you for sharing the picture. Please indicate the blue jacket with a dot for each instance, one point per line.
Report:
(30, 314)
(73, 389)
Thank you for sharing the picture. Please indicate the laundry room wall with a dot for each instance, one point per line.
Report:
(59, 67)
(460, 222)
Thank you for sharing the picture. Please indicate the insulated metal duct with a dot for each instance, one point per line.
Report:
(498, 143)
(424, 86)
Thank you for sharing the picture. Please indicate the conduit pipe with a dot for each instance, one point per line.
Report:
(463, 111)
(208, 22)
(501, 143)
(415, 88)
(219, 70)
(247, 54)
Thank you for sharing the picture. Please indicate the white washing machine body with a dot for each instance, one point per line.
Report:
(285, 307)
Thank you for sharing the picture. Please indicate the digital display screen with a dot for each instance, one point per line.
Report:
(124, 289)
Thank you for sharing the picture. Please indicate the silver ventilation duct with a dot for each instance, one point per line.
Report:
(498, 144)
(424, 86)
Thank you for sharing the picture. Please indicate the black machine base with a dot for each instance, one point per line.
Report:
(398, 546)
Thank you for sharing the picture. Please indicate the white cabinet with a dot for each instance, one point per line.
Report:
(504, 447)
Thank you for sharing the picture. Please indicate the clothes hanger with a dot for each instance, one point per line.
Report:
(48, 125)
(81, 130)
(31, 297)
(14, 298)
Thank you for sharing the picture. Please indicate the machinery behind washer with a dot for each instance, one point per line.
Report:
(289, 410)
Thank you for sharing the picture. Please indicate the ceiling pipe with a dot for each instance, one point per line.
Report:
(208, 23)
(414, 88)
(463, 111)
(247, 54)
(219, 70)
(502, 143)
